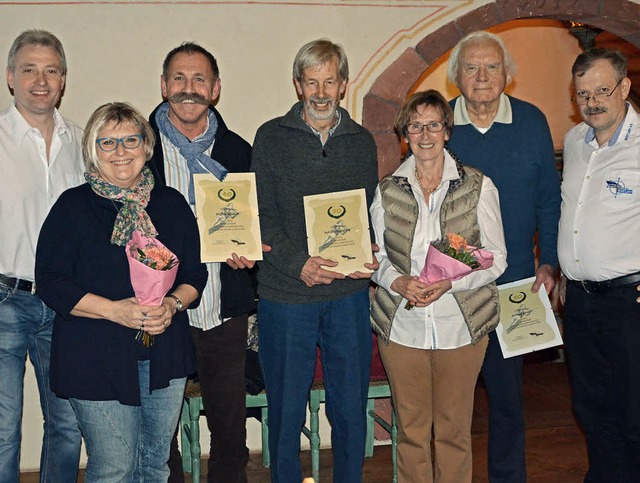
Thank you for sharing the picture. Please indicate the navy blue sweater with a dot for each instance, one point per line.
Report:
(519, 158)
(95, 359)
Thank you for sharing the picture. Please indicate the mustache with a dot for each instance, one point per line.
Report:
(595, 110)
(320, 100)
(190, 97)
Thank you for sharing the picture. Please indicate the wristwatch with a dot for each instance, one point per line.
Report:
(178, 302)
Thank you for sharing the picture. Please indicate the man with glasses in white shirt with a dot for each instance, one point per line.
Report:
(600, 257)
(40, 157)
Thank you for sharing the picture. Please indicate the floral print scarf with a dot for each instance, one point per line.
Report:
(132, 216)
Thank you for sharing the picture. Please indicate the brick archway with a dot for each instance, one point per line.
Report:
(387, 93)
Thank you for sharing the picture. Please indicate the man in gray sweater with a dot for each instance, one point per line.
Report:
(315, 148)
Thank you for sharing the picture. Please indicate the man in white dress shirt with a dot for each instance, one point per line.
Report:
(40, 157)
(600, 257)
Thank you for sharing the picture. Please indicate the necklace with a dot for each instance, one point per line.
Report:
(118, 209)
(427, 191)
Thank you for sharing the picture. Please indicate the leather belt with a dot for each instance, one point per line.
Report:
(18, 283)
(605, 285)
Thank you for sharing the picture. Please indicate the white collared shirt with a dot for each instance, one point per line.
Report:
(503, 116)
(600, 217)
(207, 315)
(30, 184)
(441, 324)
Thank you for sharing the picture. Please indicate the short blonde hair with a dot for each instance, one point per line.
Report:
(116, 112)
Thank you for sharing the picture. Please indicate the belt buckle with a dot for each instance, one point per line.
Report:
(33, 287)
(584, 286)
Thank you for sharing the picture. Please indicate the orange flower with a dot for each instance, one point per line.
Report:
(456, 241)
(160, 256)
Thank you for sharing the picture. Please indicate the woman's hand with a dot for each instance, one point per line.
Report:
(411, 289)
(436, 290)
(419, 293)
(152, 320)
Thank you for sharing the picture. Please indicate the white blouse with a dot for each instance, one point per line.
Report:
(441, 324)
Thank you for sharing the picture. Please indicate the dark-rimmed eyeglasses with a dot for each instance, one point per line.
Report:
(128, 142)
(418, 127)
(582, 97)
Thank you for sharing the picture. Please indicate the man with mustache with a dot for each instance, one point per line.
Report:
(193, 138)
(600, 257)
(314, 148)
(40, 157)
(510, 141)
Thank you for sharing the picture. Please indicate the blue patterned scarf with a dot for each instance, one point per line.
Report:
(193, 152)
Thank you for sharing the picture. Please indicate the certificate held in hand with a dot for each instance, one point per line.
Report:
(228, 219)
(338, 229)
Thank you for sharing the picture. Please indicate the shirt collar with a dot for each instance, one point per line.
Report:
(318, 133)
(21, 127)
(590, 136)
(449, 170)
(503, 116)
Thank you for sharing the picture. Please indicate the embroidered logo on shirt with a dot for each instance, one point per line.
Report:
(617, 187)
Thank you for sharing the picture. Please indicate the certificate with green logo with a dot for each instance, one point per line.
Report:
(338, 229)
(527, 322)
(227, 213)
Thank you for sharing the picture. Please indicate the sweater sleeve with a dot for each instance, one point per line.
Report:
(191, 270)
(284, 256)
(548, 194)
(55, 253)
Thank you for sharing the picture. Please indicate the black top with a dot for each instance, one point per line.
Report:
(238, 290)
(96, 359)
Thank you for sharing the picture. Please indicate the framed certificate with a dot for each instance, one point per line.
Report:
(228, 219)
(338, 229)
(527, 322)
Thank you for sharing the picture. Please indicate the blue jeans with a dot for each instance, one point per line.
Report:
(25, 327)
(131, 443)
(289, 334)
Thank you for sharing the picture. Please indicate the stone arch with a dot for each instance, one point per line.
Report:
(620, 17)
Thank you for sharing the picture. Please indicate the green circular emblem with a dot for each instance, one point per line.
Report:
(517, 298)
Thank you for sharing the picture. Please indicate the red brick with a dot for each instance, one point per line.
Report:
(378, 114)
(388, 153)
(479, 19)
(397, 80)
(437, 43)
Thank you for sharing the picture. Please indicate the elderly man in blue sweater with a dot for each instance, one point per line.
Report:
(510, 141)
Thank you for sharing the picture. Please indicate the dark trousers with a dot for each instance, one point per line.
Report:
(602, 337)
(220, 356)
(503, 380)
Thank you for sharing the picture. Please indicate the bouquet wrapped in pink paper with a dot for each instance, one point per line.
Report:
(153, 269)
(451, 258)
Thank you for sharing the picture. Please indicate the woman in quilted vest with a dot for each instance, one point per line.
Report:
(432, 336)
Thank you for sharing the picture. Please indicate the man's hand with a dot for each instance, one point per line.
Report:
(374, 265)
(544, 275)
(562, 289)
(313, 273)
(638, 299)
(237, 262)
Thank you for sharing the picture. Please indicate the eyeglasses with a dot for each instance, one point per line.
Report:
(582, 97)
(128, 142)
(418, 127)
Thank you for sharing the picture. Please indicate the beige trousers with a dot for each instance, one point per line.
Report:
(433, 389)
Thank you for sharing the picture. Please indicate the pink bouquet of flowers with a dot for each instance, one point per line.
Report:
(451, 258)
(153, 269)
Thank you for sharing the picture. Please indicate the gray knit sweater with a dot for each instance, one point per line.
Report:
(290, 163)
